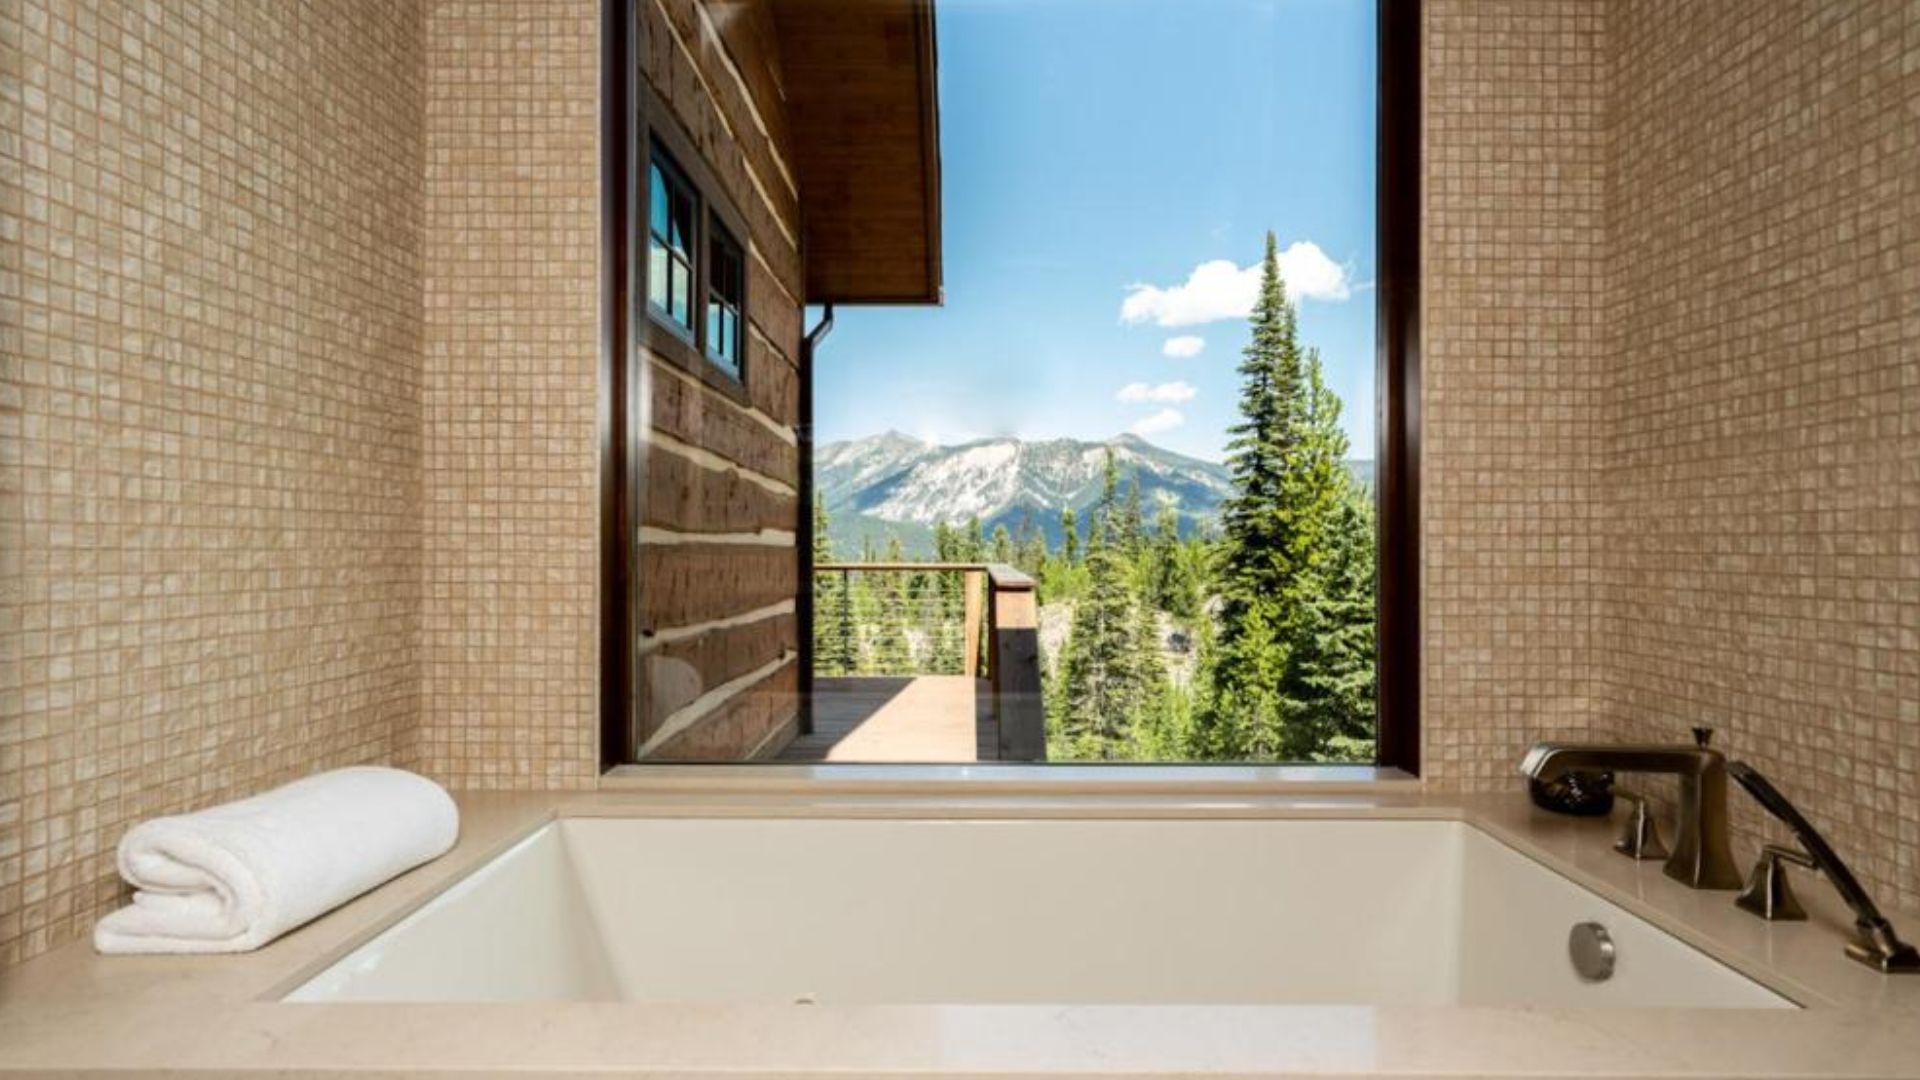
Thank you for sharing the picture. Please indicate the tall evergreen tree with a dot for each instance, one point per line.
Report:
(868, 606)
(1105, 510)
(833, 645)
(1029, 546)
(1281, 672)
(1100, 660)
(1262, 518)
(1130, 529)
(1002, 549)
(1243, 713)
(1170, 581)
(892, 651)
(1333, 644)
(1332, 631)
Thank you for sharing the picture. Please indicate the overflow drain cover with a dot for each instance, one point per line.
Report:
(1590, 948)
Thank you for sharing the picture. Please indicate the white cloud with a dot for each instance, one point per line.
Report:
(1219, 290)
(1164, 420)
(1169, 392)
(1184, 347)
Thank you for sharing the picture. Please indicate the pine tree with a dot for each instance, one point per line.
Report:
(1130, 529)
(892, 651)
(947, 606)
(1099, 661)
(1029, 546)
(1262, 518)
(1002, 550)
(1322, 472)
(867, 605)
(833, 650)
(1070, 536)
(1147, 720)
(1280, 675)
(1333, 638)
(1170, 583)
(1330, 632)
(1104, 510)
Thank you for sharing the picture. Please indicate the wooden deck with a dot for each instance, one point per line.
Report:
(926, 718)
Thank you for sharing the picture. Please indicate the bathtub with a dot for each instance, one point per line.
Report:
(1021, 912)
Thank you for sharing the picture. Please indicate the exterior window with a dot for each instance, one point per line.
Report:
(670, 244)
(726, 279)
(699, 298)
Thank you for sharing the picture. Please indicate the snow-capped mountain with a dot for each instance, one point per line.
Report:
(902, 485)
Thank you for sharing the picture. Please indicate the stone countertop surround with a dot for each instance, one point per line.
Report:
(73, 1013)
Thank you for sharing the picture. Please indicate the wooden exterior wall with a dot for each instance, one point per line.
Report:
(716, 636)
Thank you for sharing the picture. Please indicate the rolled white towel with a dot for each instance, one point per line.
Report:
(231, 878)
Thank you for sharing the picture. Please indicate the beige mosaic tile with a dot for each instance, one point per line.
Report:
(1673, 376)
(509, 623)
(1761, 469)
(1512, 272)
(210, 437)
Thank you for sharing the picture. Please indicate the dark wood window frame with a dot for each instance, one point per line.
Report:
(628, 102)
(720, 235)
(686, 349)
(677, 187)
(1397, 170)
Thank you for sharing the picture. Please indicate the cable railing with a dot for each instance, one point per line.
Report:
(891, 619)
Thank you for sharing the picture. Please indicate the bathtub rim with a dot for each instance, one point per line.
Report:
(1797, 997)
(70, 1011)
(1028, 799)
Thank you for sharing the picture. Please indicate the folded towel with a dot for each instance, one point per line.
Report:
(233, 877)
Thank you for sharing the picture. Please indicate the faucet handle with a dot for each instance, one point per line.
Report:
(1702, 736)
(1769, 894)
(1640, 838)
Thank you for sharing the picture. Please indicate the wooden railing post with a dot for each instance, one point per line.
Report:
(1013, 664)
(974, 586)
(849, 651)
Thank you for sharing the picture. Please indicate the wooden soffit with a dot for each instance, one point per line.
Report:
(859, 79)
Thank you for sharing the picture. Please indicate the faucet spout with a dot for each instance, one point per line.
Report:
(1702, 854)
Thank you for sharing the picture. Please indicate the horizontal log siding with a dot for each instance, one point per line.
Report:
(736, 728)
(696, 583)
(736, 474)
(702, 417)
(688, 497)
(675, 675)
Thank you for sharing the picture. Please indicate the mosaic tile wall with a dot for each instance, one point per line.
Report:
(1672, 381)
(1762, 417)
(1513, 267)
(210, 341)
(510, 637)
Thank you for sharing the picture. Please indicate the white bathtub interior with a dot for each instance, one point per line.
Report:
(1020, 912)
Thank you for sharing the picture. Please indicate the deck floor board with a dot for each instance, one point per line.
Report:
(925, 718)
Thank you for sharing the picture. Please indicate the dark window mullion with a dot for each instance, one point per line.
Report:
(700, 271)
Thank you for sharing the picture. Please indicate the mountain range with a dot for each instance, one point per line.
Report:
(894, 484)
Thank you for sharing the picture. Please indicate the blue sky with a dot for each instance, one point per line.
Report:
(1110, 170)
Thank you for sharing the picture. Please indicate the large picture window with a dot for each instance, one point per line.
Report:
(1112, 454)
